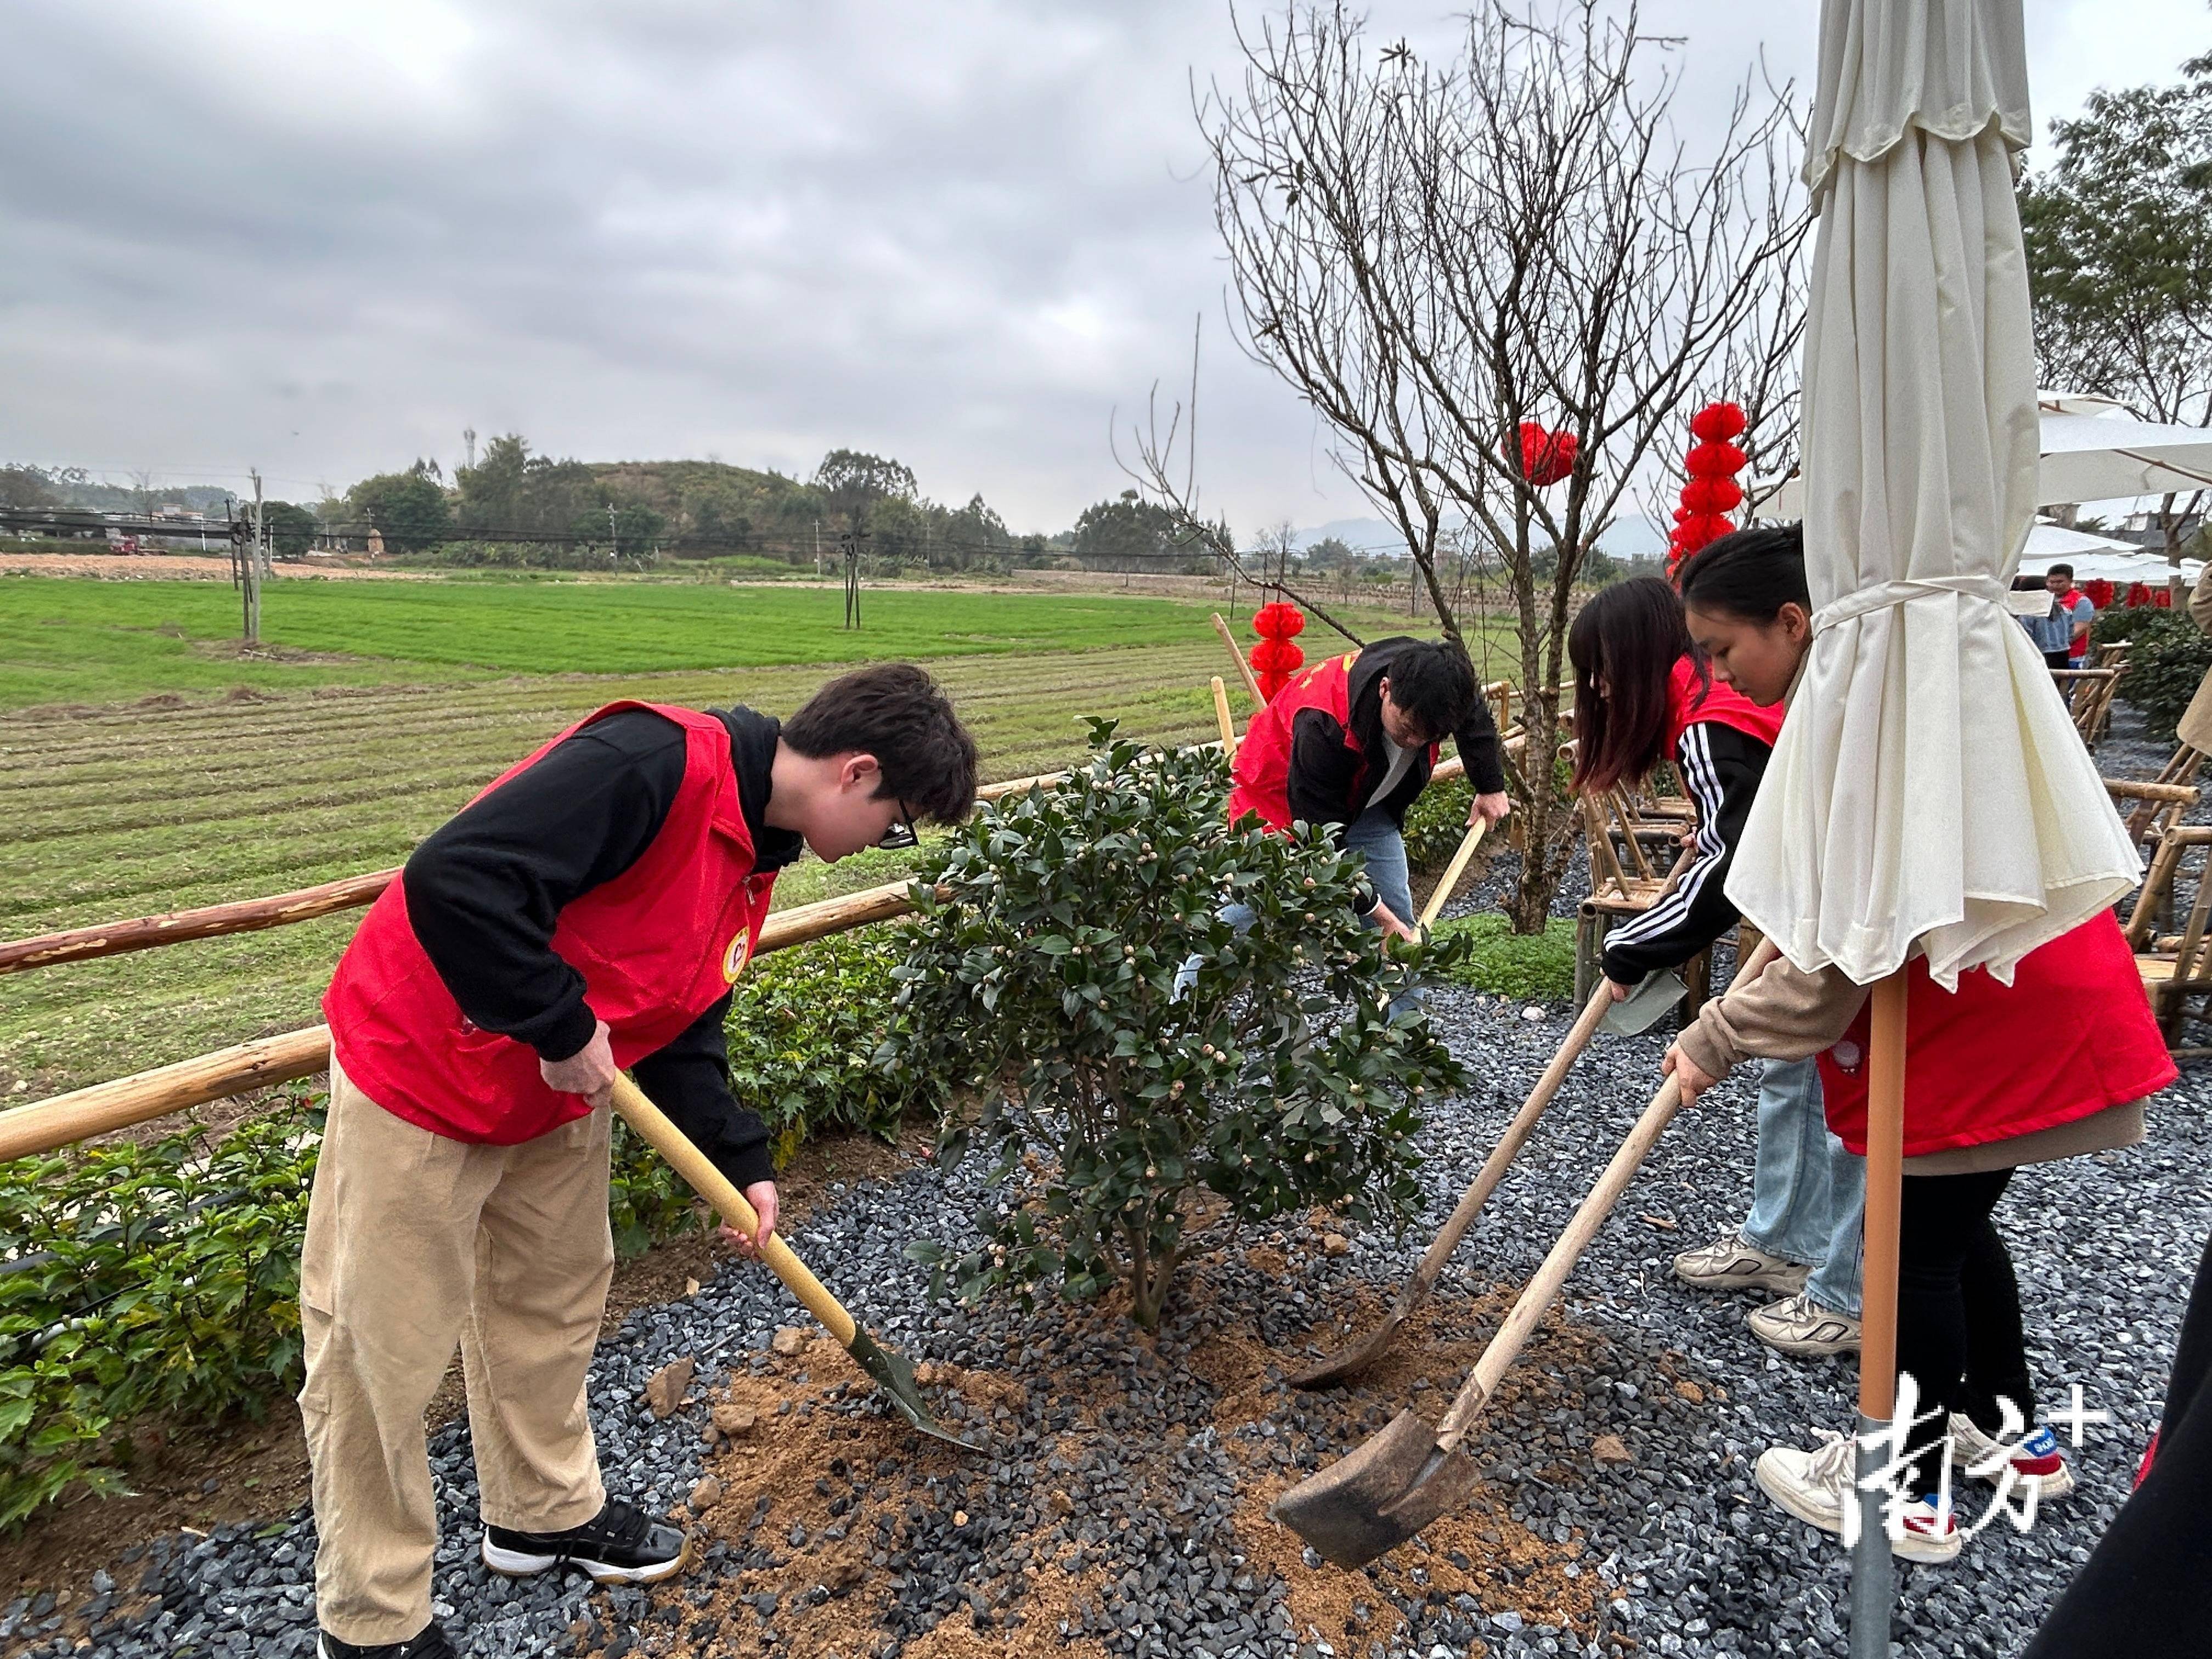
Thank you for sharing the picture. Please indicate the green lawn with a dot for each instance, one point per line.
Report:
(64, 640)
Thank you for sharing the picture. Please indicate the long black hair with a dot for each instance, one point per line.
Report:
(1630, 635)
(1749, 574)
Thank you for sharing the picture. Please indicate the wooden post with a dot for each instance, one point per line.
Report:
(1221, 714)
(1873, 1572)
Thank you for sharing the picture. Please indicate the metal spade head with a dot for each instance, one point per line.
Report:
(1377, 1495)
(1645, 1007)
(892, 1371)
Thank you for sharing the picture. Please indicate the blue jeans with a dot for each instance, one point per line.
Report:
(1808, 1193)
(1374, 836)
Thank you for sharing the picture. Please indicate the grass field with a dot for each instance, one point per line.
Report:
(144, 770)
(91, 641)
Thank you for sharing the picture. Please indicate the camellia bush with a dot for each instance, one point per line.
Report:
(1107, 1100)
(2168, 661)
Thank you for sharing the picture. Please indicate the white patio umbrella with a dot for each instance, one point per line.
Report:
(1927, 791)
(2090, 450)
(2101, 458)
(1928, 786)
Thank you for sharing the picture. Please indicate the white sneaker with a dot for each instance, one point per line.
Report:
(2035, 1458)
(1815, 1486)
(1801, 1326)
(1729, 1264)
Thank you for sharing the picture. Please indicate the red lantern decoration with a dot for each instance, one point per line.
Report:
(1710, 495)
(1274, 659)
(1712, 492)
(1713, 461)
(1547, 457)
(1717, 422)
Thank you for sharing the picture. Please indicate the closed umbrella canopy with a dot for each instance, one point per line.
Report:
(1928, 785)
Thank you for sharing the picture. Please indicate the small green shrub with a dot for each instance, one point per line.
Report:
(1109, 1100)
(804, 1030)
(1528, 967)
(2168, 662)
(1435, 823)
(156, 1278)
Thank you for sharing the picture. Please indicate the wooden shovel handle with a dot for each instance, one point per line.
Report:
(1457, 868)
(1536, 1295)
(1508, 1148)
(1221, 714)
(1244, 668)
(711, 1184)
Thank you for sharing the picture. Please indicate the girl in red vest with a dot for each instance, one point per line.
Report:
(2054, 1066)
(589, 910)
(1642, 694)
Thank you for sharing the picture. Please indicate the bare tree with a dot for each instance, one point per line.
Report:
(1434, 255)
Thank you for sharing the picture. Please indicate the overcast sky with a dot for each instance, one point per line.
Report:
(324, 239)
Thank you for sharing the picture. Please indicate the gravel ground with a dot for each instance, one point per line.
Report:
(1133, 1467)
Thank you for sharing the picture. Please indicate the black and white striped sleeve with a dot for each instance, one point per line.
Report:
(1721, 768)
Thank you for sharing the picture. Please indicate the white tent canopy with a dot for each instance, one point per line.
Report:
(2089, 450)
(2101, 458)
(1928, 789)
(2095, 557)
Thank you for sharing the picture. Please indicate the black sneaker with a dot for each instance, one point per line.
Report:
(621, 1545)
(431, 1643)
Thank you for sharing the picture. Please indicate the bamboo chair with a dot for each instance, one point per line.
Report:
(2175, 967)
(2089, 693)
(1624, 884)
(2160, 805)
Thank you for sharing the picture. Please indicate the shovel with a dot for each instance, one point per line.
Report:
(1394, 1483)
(888, 1369)
(1642, 1009)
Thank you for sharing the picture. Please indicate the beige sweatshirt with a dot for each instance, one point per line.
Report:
(1786, 1013)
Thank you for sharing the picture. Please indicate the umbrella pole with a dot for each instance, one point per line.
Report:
(1874, 1591)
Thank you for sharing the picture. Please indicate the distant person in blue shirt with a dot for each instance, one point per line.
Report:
(2062, 636)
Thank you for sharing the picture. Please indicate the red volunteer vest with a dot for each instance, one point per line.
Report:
(2072, 1035)
(1261, 776)
(1689, 703)
(657, 946)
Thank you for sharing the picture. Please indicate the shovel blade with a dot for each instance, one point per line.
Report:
(1347, 1363)
(1378, 1495)
(1643, 1008)
(892, 1371)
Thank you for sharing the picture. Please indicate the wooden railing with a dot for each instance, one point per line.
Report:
(44, 1126)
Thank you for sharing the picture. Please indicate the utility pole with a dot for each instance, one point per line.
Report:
(614, 544)
(251, 567)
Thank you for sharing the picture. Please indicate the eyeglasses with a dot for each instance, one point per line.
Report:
(901, 835)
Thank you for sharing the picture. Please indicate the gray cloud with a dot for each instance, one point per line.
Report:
(323, 239)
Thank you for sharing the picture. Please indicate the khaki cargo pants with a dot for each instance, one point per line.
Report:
(416, 1243)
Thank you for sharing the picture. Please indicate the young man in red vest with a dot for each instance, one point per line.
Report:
(1353, 741)
(589, 910)
(1350, 743)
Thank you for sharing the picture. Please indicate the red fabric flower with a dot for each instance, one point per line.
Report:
(1547, 457)
(1716, 423)
(2138, 593)
(2099, 593)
